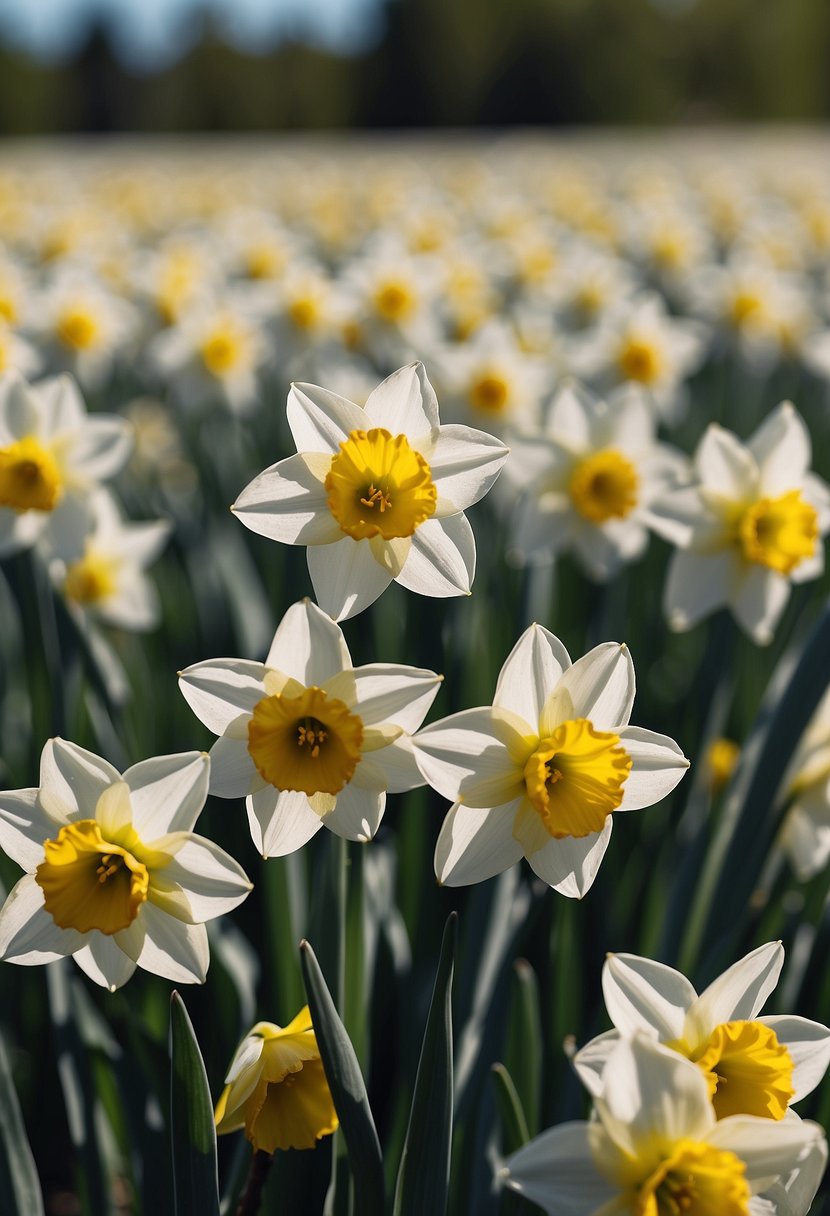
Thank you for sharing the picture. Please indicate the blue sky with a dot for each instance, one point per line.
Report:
(151, 32)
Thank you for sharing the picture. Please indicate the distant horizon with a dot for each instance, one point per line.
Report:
(158, 32)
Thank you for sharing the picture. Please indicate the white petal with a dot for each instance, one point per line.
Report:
(569, 419)
(641, 994)
(724, 466)
(658, 765)
(794, 1194)
(308, 645)
(232, 771)
(530, 673)
(168, 793)
(651, 1095)
(211, 880)
(601, 686)
(806, 836)
(346, 577)
(104, 961)
(739, 993)
(465, 463)
(472, 757)
(281, 821)
(393, 768)
(320, 420)
(557, 1171)
(166, 946)
(220, 689)
(591, 1059)
(24, 826)
(27, 932)
(781, 447)
(99, 449)
(442, 558)
(570, 865)
(391, 692)
(758, 602)
(768, 1148)
(475, 844)
(697, 584)
(809, 1046)
(357, 813)
(404, 404)
(288, 502)
(684, 519)
(72, 780)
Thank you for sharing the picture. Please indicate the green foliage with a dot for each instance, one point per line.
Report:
(193, 1134)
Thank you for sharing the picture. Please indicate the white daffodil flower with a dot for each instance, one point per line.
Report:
(656, 1149)
(585, 482)
(309, 739)
(98, 562)
(805, 833)
(114, 873)
(539, 773)
(51, 454)
(750, 525)
(377, 493)
(752, 1065)
(639, 341)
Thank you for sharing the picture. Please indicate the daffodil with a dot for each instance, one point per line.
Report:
(750, 525)
(309, 739)
(276, 1088)
(97, 563)
(656, 1149)
(540, 772)
(115, 875)
(377, 493)
(751, 1065)
(805, 833)
(51, 455)
(584, 482)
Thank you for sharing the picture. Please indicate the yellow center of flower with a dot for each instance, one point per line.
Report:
(640, 360)
(394, 301)
(695, 1180)
(379, 486)
(721, 759)
(489, 393)
(8, 307)
(29, 476)
(745, 306)
(779, 532)
(604, 486)
(222, 351)
(5, 351)
(304, 312)
(90, 580)
(575, 778)
(263, 262)
(309, 743)
(747, 1070)
(77, 329)
(89, 882)
(589, 299)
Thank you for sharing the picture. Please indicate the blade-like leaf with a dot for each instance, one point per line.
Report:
(193, 1134)
(18, 1177)
(424, 1173)
(524, 1041)
(514, 1132)
(348, 1089)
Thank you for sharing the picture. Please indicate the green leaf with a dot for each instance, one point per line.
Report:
(524, 1041)
(514, 1130)
(424, 1173)
(752, 810)
(18, 1175)
(193, 1133)
(348, 1090)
